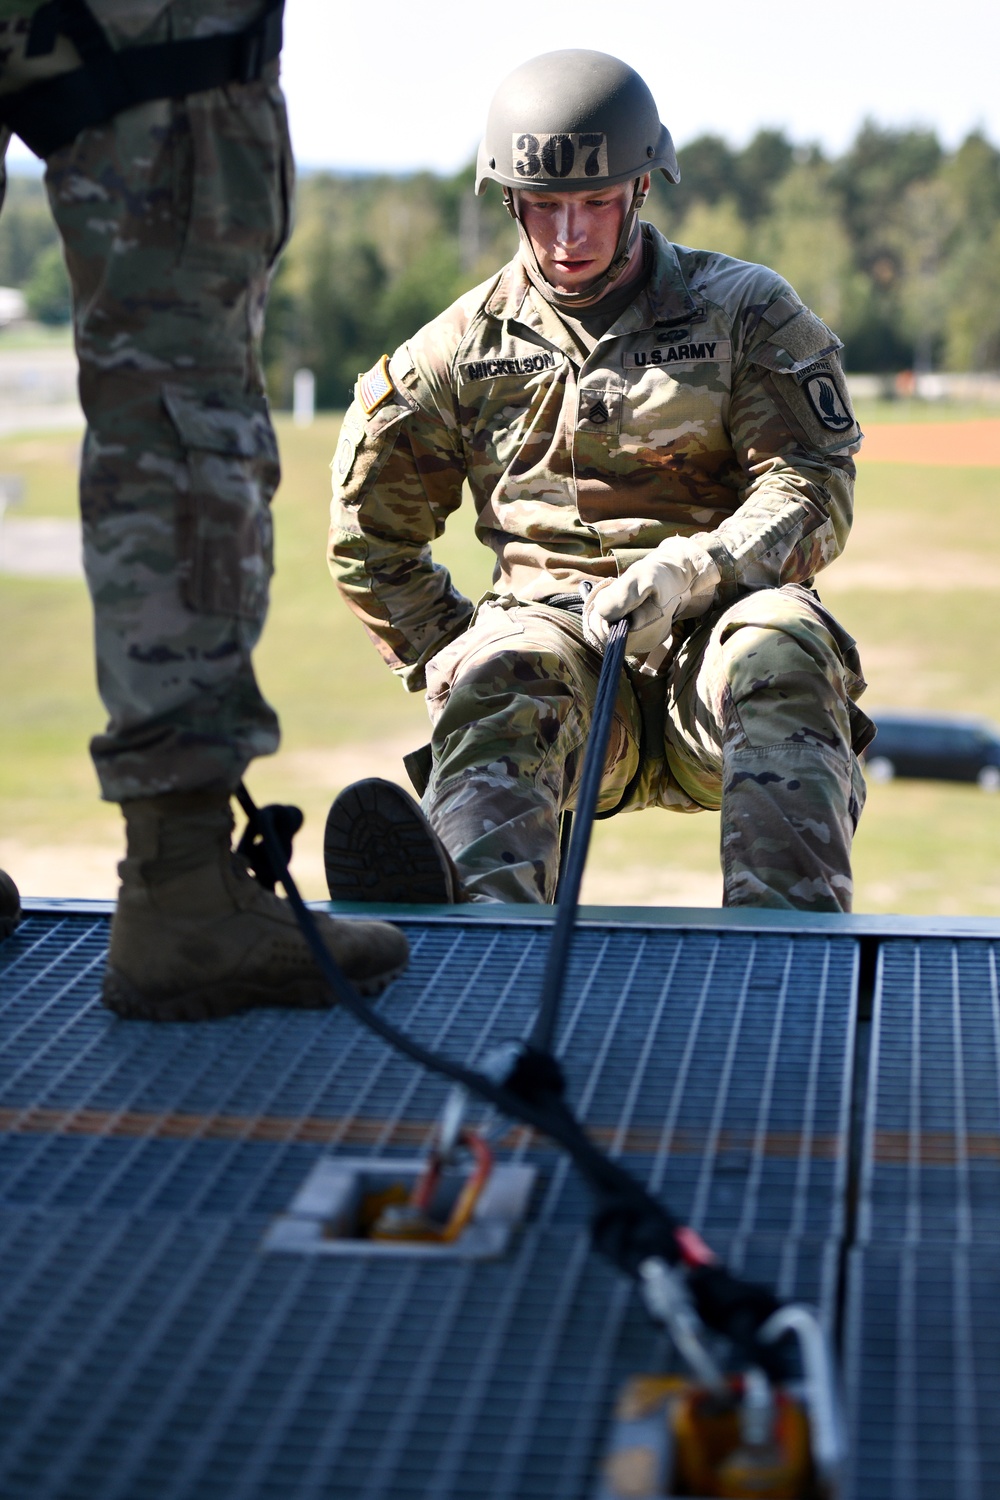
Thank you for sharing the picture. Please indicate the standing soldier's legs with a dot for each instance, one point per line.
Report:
(759, 721)
(171, 217)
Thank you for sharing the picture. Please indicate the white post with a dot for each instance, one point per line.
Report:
(303, 398)
(11, 493)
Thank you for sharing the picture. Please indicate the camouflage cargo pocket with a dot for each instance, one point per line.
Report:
(494, 628)
(224, 531)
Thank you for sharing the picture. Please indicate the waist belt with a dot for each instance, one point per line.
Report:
(51, 113)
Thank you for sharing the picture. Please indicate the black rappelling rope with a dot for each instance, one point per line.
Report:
(570, 878)
(629, 1225)
(537, 1079)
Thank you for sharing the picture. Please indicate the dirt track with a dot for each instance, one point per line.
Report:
(943, 444)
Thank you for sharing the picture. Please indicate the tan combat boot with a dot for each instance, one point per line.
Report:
(10, 905)
(195, 936)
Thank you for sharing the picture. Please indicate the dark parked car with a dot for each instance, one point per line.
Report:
(934, 745)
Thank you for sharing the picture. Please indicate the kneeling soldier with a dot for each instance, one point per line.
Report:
(664, 430)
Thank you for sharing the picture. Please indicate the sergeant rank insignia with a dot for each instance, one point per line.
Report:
(376, 387)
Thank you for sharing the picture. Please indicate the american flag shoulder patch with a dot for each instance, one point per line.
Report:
(375, 387)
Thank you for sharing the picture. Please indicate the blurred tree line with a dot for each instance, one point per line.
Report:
(896, 244)
(30, 257)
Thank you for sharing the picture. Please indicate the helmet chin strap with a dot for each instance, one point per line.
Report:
(570, 302)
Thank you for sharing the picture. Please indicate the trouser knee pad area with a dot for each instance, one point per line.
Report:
(782, 690)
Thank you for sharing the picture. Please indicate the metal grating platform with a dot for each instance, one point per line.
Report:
(923, 1372)
(922, 1346)
(166, 1357)
(725, 1056)
(932, 1135)
(150, 1349)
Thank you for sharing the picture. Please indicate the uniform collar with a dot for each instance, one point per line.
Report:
(515, 300)
(665, 298)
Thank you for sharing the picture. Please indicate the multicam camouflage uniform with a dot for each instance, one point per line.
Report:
(171, 217)
(714, 407)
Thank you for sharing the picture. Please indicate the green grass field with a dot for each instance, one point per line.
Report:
(911, 409)
(918, 587)
(32, 336)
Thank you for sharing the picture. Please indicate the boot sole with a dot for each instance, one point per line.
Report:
(215, 1001)
(379, 847)
(10, 906)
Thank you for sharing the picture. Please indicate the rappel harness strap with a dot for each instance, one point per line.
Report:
(51, 113)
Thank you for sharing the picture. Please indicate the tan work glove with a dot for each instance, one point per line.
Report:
(676, 581)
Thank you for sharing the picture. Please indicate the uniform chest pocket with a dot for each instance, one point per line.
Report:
(517, 419)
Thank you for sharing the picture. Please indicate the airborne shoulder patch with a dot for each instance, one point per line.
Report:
(827, 402)
(816, 405)
(375, 387)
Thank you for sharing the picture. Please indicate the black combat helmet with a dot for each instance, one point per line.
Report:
(571, 118)
(567, 121)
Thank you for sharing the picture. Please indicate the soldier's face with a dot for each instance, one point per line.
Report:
(574, 235)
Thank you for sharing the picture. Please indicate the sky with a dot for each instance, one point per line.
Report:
(404, 84)
(400, 85)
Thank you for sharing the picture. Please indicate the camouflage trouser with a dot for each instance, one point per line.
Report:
(753, 716)
(171, 217)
